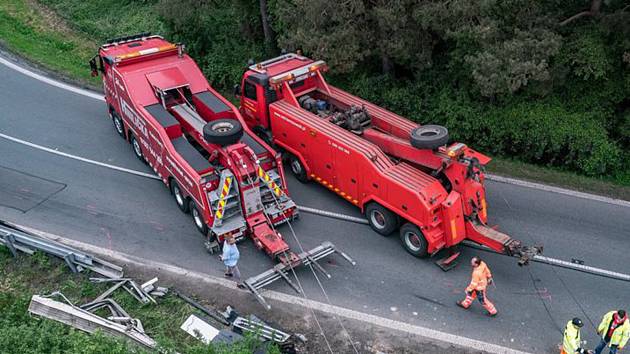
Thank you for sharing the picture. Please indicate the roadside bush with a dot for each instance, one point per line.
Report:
(220, 35)
(547, 133)
(543, 132)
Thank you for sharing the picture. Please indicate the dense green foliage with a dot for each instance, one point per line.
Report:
(522, 79)
(26, 334)
(505, 76)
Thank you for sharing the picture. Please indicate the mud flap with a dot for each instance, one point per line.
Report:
(282, 270)
(449, 262)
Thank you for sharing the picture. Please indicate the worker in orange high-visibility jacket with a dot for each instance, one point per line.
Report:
(481, 277)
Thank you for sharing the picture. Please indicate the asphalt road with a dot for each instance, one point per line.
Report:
(136, 215)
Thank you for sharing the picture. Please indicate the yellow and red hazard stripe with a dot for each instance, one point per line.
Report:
(224, 193)
(265, 177)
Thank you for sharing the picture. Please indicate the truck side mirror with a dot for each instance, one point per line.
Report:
(237, 90)
(93, 67)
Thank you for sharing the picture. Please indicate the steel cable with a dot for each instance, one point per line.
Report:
(319, 326)
(321, 286)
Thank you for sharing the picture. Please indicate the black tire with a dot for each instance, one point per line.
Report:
(119, 125)
(137, 149)
(381, 219)
(200, 224)
(265, 135)
(413, 240)
(181, 202)
(223, 131)
(429, 137)
(297, 168)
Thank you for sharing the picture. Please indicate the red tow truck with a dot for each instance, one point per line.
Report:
(196, 141)
(402, 175)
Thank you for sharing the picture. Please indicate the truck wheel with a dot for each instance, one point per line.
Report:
(429, 137)
(265, 135)
(413, 240)
(118, 124)
(381, 219)
(179, 196)
(223, 131)
(137, 150)
(298, 170)
(200, 224)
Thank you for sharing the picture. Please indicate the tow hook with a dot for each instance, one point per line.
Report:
(523, 253)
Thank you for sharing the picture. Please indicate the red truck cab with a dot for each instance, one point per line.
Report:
(402, 175)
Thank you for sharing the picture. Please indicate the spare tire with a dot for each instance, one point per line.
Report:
(429, 137)
(223, 131)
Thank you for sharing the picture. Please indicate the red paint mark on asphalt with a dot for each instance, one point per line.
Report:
(157, 225)
(91, 209)
(109, 237)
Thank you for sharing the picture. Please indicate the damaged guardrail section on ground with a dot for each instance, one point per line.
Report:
(18, 240)
(212, 326)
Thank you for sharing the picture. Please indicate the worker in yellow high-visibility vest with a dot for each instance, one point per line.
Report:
(614, 331)
(571, 340)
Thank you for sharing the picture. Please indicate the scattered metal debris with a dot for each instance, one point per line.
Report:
(207, 333)
(119, 324)
(18, 240)
(201, 308)
(257, 326)
(199, 329)
(143, 293)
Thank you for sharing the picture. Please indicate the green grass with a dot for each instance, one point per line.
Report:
(105, 19)
(62, 35)
(618, 188)
(27, 31)
(25, 276)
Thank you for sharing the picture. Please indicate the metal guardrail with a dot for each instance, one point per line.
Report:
(18, 240)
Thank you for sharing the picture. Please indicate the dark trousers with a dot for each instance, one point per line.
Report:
(602, 345)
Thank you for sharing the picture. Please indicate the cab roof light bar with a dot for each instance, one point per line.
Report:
(260, 67)
(298, 72)
(126, 39)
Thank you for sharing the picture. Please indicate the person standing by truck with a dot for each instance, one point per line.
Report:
(230, 257)
(481, 277)
(614, 331)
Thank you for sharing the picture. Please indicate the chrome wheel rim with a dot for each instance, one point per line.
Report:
(136, 148)
(413, 241)
(378, 219)
(178, 195)
(223, 127)
(197, 218)
(118, 125)
(296, 167)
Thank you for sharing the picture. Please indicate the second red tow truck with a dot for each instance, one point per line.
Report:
(196, 141)
(402, 175)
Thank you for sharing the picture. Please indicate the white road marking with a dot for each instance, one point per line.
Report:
(542, 259)
(491, 177)
(49, 81)
(74, 157)
(547, 188)
(333, 310)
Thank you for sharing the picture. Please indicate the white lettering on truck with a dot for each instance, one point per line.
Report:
(301, 127)
(133, 117)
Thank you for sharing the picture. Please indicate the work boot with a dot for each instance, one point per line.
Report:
(460, 304)
(491, 314)
(227, 275)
